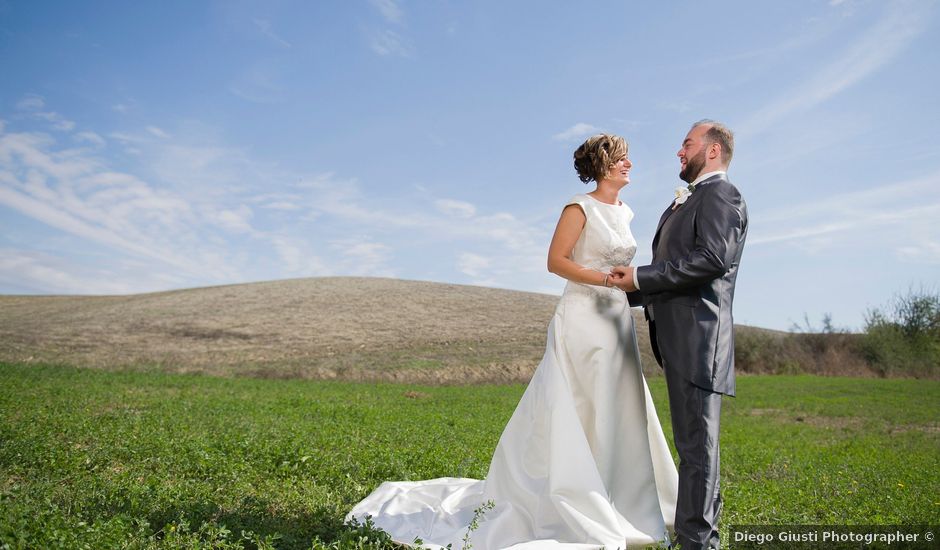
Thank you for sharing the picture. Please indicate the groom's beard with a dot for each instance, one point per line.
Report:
(693, 167)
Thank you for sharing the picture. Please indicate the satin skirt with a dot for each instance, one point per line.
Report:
(582, 463)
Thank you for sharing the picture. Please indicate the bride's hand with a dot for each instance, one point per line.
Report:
(622, 278)
(619, 271)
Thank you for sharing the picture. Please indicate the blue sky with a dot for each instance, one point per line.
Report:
(155, 145)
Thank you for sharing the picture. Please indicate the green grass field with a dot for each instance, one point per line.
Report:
(92, 459)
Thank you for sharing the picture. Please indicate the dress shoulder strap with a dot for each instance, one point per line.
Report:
(581, 200)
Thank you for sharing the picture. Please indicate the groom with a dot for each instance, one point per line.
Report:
(687, 293)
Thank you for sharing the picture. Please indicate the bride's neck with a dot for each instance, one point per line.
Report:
(606, 193)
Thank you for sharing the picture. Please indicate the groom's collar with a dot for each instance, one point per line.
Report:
(703, 177)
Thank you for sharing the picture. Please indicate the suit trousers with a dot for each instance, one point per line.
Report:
(695, 417)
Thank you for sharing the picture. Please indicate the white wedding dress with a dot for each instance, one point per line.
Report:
(583, 462)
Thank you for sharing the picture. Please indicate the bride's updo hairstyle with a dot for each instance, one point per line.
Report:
(595, 156)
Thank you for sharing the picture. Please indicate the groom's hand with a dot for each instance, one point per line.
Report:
(622, 278)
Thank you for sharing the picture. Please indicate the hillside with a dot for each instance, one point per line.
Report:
(320, 328)
(350, 328)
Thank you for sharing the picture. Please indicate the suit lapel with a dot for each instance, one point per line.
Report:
(659, 228)
(670, 210)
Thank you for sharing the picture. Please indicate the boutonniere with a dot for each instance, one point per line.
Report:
(682, 195)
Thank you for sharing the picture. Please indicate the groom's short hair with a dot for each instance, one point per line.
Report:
(720, 134)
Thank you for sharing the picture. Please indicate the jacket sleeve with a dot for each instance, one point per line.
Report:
(720, 228)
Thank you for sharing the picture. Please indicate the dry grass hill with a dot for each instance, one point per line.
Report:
(316, 328)
(357, 329)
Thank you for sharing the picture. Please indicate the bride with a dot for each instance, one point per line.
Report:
(583, 462)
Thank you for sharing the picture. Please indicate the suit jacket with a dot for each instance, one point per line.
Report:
(688, 289)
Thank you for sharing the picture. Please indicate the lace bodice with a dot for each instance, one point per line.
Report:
(606, 240)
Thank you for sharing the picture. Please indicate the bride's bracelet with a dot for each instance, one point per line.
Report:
(606, 275)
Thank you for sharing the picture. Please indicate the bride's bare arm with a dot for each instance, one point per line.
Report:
(566, 235)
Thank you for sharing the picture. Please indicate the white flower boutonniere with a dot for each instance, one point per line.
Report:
(682, 195)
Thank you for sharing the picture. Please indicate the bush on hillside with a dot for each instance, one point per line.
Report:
(806, 349)
(904, 338)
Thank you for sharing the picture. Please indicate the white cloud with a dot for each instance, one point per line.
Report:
(259, 83)
(927, 251)
(88, 137)
(472, 265)
(265, 27)
(76, 193)
(281, 205)
(158, 132)
(17, 267)
(455, 208)
(390, 10)
(906, 208)
(296, 259)
(35, 272)
(57, 121)
(875, 48)
(236, 220)
(388, 42)
(31, 103)
(209, 214)
(364, 257)
(72, 224)
(577, 131)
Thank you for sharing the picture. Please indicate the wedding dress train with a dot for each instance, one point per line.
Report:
(583, 462)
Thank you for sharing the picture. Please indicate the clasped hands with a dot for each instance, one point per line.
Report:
(621, 276)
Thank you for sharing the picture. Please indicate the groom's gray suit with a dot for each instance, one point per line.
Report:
(687, 293)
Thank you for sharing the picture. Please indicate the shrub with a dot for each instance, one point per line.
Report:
(906, 336)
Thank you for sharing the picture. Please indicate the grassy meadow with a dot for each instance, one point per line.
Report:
(109, 459)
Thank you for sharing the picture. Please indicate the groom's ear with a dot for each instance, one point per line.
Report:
(714, 150)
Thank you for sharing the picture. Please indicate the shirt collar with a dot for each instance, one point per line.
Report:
(703, 177)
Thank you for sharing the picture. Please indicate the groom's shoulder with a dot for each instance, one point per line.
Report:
(722, 193)
(723, 186)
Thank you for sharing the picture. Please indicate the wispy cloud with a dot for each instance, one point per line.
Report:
(516, 247)
(389, 9)
(30, 103)
(579, 130)
(30, 271)
(158, 132)
(185, 228)
(365, 257)
(86, 137)
(78, 195)
(265, 27)
(388, 42)
(295, 258)
(928, 252)
(896, 217)
(477, 267)
(385, 41)
(877, 47)
(33, 105)
(206, 213)
(459, 209)
(259, 83)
